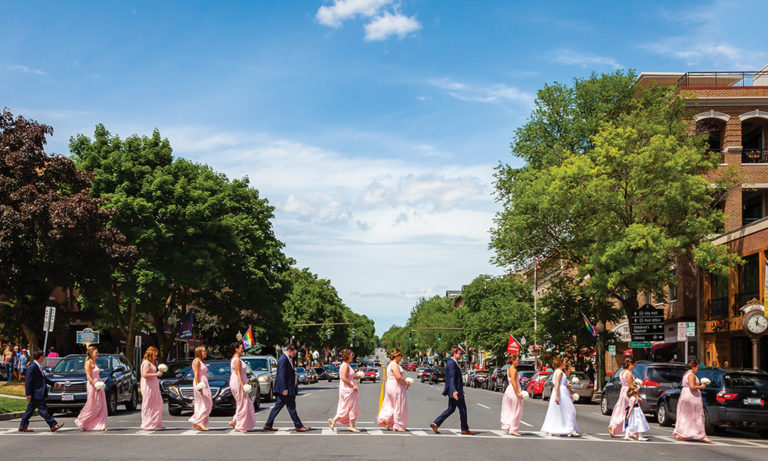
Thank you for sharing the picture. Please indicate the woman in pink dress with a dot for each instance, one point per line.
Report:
(616, 425)
(93, 416)
(690, 408)
(348, 409)
(512, 401)
(245, 417)
(394, 410)
(151, 398)
(203, 401)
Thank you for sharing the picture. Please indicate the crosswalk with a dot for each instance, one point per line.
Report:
(226, 431)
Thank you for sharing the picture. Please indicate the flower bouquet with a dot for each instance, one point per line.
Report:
(706, 381)
(575, 397)
(359, 374)
(409, 381)
(200, 386)
(247, 388)
(99, 385)
(525, 394)
(162, 367)
(575, 380)
(637, 382)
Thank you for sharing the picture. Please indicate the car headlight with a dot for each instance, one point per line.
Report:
(264, 379)
(174, 391)
(225, 392)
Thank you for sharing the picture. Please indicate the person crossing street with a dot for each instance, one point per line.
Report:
(454, 390)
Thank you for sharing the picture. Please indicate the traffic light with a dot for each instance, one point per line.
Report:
(439, 336)
(410, 337)
(353, 333)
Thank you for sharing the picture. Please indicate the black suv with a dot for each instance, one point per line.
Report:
(735, 397)
(116, 372)
(657, 378)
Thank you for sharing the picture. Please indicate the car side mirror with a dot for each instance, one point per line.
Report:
(119, 370)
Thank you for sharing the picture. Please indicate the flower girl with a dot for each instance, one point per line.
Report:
(634, 421)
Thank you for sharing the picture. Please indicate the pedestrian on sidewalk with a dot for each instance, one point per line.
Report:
(8, 362)
(151, 398)
(245, 417)
(285, 389)
(348, 409)
(635, 423)
(52, 352)
(36, 390)
(616, 424)
(561, 413)
(16, 360)
(454, 390)
(93, 416)
(394, 409)
(512, 400)
(690, 408)
(203, 399)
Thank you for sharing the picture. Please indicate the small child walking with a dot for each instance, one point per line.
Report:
(635, 423)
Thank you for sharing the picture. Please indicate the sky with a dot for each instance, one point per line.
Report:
(372, 126)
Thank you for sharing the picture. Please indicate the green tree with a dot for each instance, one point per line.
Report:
(494, 308)
(425, 326)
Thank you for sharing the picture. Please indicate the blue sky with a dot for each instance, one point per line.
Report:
(373, 126)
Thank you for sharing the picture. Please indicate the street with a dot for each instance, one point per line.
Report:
(317, 402)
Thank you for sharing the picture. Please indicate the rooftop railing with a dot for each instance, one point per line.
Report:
(724, 79)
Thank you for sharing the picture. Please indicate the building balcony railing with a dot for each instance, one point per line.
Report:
(718, 308)
(754, 156)
(723, 79)
(742, 298)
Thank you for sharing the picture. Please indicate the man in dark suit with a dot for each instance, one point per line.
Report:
(454, 389)
(36, 391)
(285, 391)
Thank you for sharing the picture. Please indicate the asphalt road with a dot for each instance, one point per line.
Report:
(317, 403)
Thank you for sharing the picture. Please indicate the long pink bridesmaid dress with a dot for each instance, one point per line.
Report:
(619, 410)
(203, 400)
(511, 408)
(394, 409)
(151, 399)
(348, 407)
(690, 412)
(245, 417)
(93, 416)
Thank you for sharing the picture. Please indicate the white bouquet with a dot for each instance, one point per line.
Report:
(637, 382)
(575, 380)
(162, 367)
(575, 397)
(247, 388)
(706, 381)
(200, 386)
(359, 374)
(99, 385)
(409, 381)
(525, 394)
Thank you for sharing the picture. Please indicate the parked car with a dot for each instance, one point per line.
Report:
(410, 366)
(490, 383)
(535, 385)
(736, 397)
(478, 377)
(320, 372)
(176, 370)
(369, 374)
(585, 389)
(437, 376)
(332, 372)
(181, 396)
(420, 371)
(265, 369)
(656, 378)
(311, 375)
(122, 385)
(301, 375)
(426, 374)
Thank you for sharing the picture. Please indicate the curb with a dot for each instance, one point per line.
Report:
(18, 414)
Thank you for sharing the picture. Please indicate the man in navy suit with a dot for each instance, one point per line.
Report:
(36, 390)
(285, 390)
(454, 389)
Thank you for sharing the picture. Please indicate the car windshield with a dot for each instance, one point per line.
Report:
(300, 370)
(748, 380)
(666, 374)
(333, 368)
(77, 364)
(716, 376)
(578, 374)
(527, 374)
(481, 373)
(215, 370)
(256, 364)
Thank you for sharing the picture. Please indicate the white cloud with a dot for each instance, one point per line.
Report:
(573, 58)
(342, 10)
(711, 54)
(498, 92)
(27, 70)
(388, 24)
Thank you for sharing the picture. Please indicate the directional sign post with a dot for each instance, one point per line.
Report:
(50, 316)
(647, 324)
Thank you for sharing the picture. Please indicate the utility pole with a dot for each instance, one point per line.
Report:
(535, 312)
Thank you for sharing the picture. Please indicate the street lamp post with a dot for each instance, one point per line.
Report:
(600, 325)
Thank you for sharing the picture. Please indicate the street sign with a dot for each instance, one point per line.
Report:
(50, 317)
(639, 344)
(690, 329)
(647, 324)
(87, 336)
(612, 349)
(681, 327)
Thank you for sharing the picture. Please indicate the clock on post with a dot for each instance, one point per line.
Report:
(754, 325)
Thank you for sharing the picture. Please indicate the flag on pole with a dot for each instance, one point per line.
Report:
(513, 347)
(591, 329)
(248, 339)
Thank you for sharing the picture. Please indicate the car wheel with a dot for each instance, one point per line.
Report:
(257, 401)
(662, 415)
(133, 403)
(112, 404)
(708, 427)
(604, 405)
(174, 411)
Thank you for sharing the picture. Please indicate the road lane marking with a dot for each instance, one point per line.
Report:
(418, 432)
(190, 432)
(306, 395)
(501, 433)
(376, 432)
(480, 404)
(526, 424)
(327, 431)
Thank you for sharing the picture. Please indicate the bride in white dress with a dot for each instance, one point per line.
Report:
(561, 413)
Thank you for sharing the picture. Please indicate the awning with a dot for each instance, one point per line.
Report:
(663, 347)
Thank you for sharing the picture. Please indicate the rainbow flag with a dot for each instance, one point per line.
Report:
(591, 329)
(248, 339)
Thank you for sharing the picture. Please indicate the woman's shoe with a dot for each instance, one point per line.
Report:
(331, 423)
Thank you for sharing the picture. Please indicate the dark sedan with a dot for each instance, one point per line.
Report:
(116, 372)
(478, 378)
(331, 373)
(437, 376)
(426, 376)
(320, 371)
(181, 396)
(734, 398)
(175, 371)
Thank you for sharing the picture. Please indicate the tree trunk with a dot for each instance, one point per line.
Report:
(32, 338)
